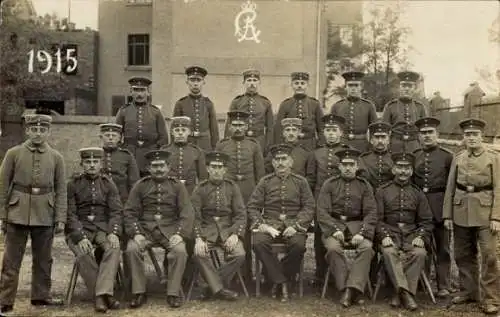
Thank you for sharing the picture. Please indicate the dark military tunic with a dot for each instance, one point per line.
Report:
(300, 156)
(187, 164)
(359, 113)
(306, 108)
(376, 167)
(408, 111)
(121, 166)
(144, 130)
(201, 110)
(260, 122)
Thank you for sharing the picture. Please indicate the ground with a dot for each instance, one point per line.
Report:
(310, 305)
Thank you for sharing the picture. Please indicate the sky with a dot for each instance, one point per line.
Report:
(451, 38)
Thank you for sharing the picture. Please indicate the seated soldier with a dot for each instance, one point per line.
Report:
(158, 212)
(404, 228)
(95, 219)
(281, 210)
(347, 216)
(220, 221)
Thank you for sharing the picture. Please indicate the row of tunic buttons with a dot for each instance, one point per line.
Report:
(282, 200)
(158, 214)
(426, 173)
(139, 121)
(93, 192)
(180, 168)
(196, 116)
(350, 121)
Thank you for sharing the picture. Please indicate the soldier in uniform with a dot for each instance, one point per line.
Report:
(205, 129)
(158, 212)
(292, 128)
(260, 121)
(404, 138)
(32, 203)
(404, 229)
(220, 222)
(281, 209)
(376, 165)
(347, 215)
(471, 208)
(432, 166)
(358, 112)
(118, 163)
(144, 127)
(187, 160)
(95, 219)
(321, 165)
(303, 107)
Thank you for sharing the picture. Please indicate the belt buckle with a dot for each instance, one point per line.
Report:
(425, 189)
(216, 218)
(196, 133)
(182, 181)
(282, 217)
(406, 137)
(343, 218)
(140, 143)
(401, 225)
(470, 188)
(91, 218)
(35, 190)
(157, 217)
(239, 177)
(249, 133)
(351, 136)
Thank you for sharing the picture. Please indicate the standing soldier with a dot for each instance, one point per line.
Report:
(347, 215)
(432, 166)
(95, 219)
(404, 229)
(205, 129)
(260, 121)
(303, 107)
(32, 203)
(323, 164)
(292, 128)
(376, 165)
(118, 163)
(144, 127)
(158, 213)
(471, 208)
(358, 112)
(220, 222)
(187, 161)
(281, 208)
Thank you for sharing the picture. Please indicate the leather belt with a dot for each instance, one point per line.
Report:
(428, 190)
(474, 189)
(352, 136)
(346, 218)
(404, 137)
(139, 143)
(197, 134)
(33, 190)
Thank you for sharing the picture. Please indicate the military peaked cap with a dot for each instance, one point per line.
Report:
(472, 124)
(403, 158)
(140, 81)
(352, 154)
(408, 76)
(353, 76)
(427, 122)
(281, 148)
(91, 152)
(181, 121)
(38, 119)
(291, 121)
(215, 156)
(157, 155)
(238, 115)
(379, 127)
(111, 127)
(331, 119)
(251, 73)
(300, 76)
(196, 71)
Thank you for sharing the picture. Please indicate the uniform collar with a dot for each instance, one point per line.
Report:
(476, 153)
(195, 96)
(400, 183)
(430, 149)
(299, 96)
(42, 148)
(142, 104)
(405, 100)
(353, 98)
(109, 149)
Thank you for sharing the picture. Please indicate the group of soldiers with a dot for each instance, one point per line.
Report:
(382, 188)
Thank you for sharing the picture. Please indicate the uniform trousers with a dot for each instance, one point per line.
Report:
(404, 267)
(99, 278)
(466, 241)
(15, 245)
(286, 269)
(354, 275)
(219, 278)
(443, 257)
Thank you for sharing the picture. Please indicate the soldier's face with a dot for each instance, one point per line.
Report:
(139, 93)
(332, 134)
(195, 84)
(402, 172)
(251, 84)
(181, 134)
(37, 134)
(216, 170)
(291, 134)
(473, 138)
(159, 169)
(407, 89)
(299, 86)
(91, 166)
(348, 168)
(354, 88)
(428, 136)
(380, 141)
(238, 127)
(282, 163)
(110, 139)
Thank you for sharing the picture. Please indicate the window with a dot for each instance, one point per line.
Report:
(346, 34)
(138, 49)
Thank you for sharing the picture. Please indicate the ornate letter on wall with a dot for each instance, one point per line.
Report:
(244, 27)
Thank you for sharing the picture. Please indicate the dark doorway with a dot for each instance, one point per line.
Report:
(46, 106)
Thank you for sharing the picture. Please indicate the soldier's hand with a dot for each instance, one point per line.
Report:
(174, 240)
(448, 224)
(387, 242)
(141, 241)
(339, 235)
(200, 248)
(289, 231)
(231, 242)
(273, 232)
(86, 246)
(114, 241)
(494, 226)
(357, 239)
(59, 228)
(418, 242)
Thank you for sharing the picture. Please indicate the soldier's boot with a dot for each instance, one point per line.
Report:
(409, 301)
(489, 309)
(395, 301)
(284, 292)
(346, 298)
(100, 304)
(112, 302)
(274, 290)
(174, 301)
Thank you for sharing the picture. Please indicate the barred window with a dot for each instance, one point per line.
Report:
(138, 49)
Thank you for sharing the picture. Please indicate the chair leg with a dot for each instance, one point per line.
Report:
(196, 273)
(156, 265)
(242, 283)
(370, 289)
(325, 284)
(428, 287)
(72, 284)
(257, 277)
(380, 278)
(301, 279)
